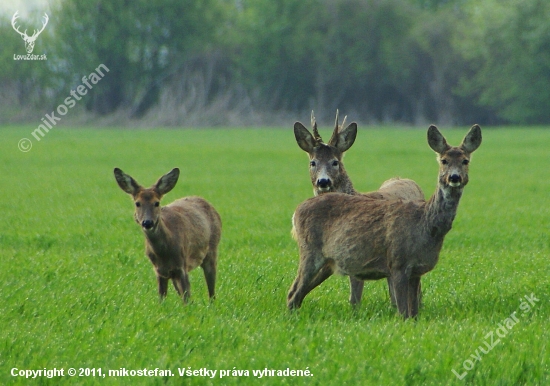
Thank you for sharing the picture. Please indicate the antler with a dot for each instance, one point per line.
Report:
(336, 126)
(35, 34)
(334, 137)
(315, 131)
(13, 19)
(344, 121)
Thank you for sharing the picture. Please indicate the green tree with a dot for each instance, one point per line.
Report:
(507, 43)
(23, 83)
(277, 47)
(142, 43)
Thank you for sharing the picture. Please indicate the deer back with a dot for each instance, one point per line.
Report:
(192, 226)
(361, 234)
(401, 188)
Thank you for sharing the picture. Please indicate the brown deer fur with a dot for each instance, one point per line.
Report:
(328, 174)
(371, 239)
(178, 237)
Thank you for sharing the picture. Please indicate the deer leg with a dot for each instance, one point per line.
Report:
(414, 289)
(392, 294)
(356, 287)
(209, 268)
(400, 284)
(163, 286)
(308, 278)
(294, 286)
(419, 295)
(324, 273)
(182, 285)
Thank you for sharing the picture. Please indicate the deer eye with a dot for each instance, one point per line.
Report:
(334, 163)
(444, 161)
(157, 204)
(465, 162)
(312, 164)
(138, 204)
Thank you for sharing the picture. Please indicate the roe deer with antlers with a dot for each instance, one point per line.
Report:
(373, 239)
(178, 237)
(328, 174)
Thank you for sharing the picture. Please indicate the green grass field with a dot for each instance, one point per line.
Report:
(78, 291)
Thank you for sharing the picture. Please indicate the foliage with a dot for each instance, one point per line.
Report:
(141, 42)
(23, 82)
(412, 61)
(509, 44)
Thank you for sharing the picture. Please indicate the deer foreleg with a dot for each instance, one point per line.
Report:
(182, 285)
(356, 288)
(400, 284)
(392, 294)
(414, 294)
(163, 286)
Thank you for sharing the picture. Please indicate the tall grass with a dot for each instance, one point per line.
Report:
(77, 290)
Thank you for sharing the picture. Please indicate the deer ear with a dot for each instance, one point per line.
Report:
(126, 183)
(304, 138)
(472, 140)
(437, 141)
(167, 182)
(342, 140)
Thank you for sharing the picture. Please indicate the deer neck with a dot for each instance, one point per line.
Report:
(440, 211)
(345, 184)
(158, 237)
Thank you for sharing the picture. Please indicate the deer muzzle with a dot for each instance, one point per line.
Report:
(147, 224)
(324, 184)
(455, 180)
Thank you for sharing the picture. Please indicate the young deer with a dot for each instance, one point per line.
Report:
(372, 239)
(178, 237)
(328, 174)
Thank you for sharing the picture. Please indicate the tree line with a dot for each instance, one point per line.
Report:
(181, 61)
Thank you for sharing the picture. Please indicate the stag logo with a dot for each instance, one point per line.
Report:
(29, 40)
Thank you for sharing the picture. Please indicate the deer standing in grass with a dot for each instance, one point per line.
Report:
(178, 237)
(372, 239)
(328, 174)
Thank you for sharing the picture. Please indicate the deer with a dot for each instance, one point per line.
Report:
(328, 174)
(178, 237)
(371, 239)
(29, 40)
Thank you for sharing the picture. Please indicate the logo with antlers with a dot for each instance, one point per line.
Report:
(29, 40)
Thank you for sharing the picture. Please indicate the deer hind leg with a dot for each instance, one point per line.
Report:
(209, 269)
(163, 286)
(324, 273)
(308, 278)
(356, 288)
(182, 285)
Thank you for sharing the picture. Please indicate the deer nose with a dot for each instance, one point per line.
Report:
(323, 183)
(147, 224)
(455, 178)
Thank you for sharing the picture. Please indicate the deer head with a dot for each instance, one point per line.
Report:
(147, 201)
(29, 40)
(454, 160)
(325, 159)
